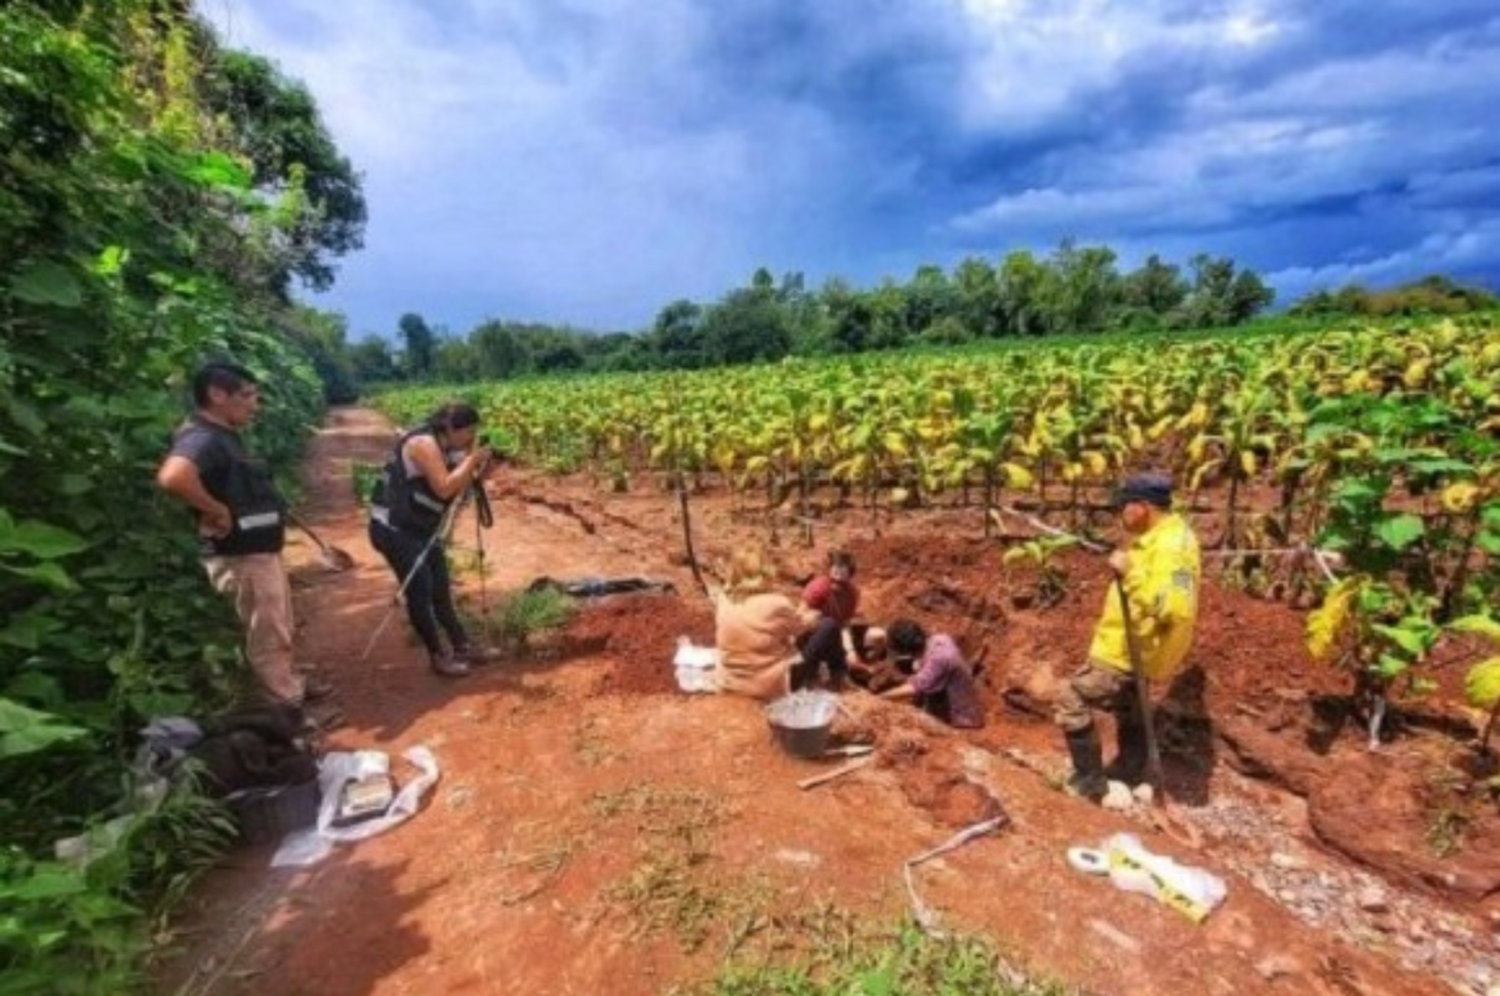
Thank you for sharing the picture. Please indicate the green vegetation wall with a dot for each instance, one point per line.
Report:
(134, 242)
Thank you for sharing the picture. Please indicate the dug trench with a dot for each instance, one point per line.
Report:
(597, 830)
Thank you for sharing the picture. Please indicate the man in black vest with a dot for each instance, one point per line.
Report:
(241, 524)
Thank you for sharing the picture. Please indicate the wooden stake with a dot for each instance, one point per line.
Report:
(839, 772)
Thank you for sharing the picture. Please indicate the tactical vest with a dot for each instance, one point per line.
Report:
(413, 506)
(257, 510)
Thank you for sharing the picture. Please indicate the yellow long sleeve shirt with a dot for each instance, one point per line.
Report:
(1162, 585)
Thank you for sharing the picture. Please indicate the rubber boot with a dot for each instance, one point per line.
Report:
(1129, 764)
(1087, 779)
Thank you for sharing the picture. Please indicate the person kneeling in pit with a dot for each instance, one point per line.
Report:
(834, 597)
(871, 665)
(941, 682)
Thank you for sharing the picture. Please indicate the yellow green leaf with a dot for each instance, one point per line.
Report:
(1483, 625)
(1482, 685)
(1326, 623)
(1017, 476)
(1459, 498)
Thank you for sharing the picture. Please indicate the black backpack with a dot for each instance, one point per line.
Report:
(254, 747)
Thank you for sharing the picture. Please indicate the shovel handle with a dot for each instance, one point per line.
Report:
(1142, 692)
(297, 521)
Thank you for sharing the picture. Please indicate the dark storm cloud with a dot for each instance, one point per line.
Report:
(591, 161)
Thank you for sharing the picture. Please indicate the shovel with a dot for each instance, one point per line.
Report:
(1171, 822)
(331, 557)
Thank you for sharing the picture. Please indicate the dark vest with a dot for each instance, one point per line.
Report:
(257, 510)
(414, 507)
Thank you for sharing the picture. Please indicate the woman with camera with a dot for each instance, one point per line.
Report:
(409, 512)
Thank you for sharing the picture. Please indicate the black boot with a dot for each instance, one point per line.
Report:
(1088, 764)
(1129, 765)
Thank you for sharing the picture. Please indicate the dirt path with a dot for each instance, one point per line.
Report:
(595, 831)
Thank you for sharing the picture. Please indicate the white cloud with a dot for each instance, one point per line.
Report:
(1039, 56)
(1452, 251)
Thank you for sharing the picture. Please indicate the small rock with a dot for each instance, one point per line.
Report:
(1144, 793)
(1373, 900)
(1118, 798)
(1278, 966)
(1288, 896)
(1286, 861)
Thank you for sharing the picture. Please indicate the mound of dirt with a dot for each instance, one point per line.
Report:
(639, 633)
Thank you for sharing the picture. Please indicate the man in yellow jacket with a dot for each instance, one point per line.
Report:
(1160, 572)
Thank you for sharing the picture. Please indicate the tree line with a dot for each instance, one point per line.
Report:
(1077, 290)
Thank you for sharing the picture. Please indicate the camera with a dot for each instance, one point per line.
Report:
(496, 446)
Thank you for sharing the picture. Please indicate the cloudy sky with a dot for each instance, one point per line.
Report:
(589, 161)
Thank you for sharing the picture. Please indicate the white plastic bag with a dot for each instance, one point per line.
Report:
(309, 846)
(696, 667)
(1191, 891)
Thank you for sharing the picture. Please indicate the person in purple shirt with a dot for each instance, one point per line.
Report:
(941, 683)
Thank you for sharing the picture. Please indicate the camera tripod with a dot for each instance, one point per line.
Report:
(439, 535)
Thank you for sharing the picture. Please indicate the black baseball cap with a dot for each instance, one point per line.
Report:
(1153, 489)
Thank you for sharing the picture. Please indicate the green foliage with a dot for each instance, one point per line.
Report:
(523, 614)
(63, 931)
(420, 342)
(1432, 295)
(1078, 290)
(1040, 553)
(899, 962)
(318, 207)
(24, 731)
(363, 477)
(1482, 683)
(135, 241)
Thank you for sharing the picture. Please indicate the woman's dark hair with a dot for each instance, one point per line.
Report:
(454, 415)
(841, 558)
(906, 638)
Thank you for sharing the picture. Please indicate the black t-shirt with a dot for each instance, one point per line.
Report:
(243, 483)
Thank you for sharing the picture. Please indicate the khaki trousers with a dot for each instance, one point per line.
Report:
(262, 596)
(1093, 686)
